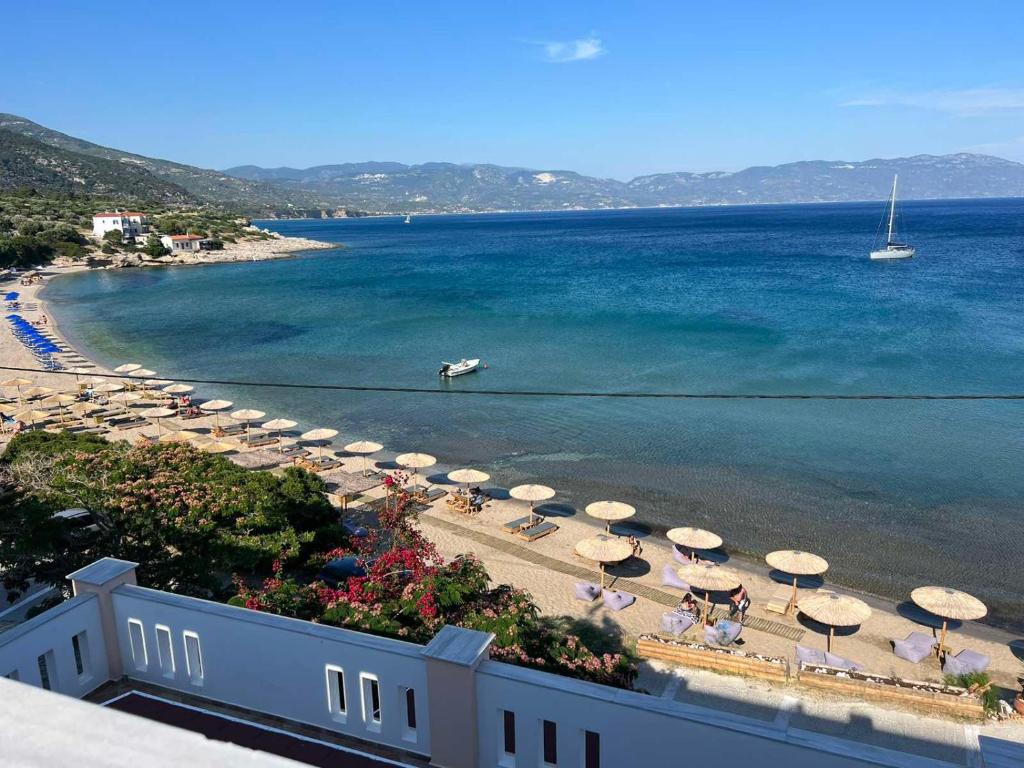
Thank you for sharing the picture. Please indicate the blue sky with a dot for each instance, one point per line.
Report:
(610, 89)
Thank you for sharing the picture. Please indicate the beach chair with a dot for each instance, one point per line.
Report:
(257, 441)
(805, 655)
(670, 578)
(779, 601)
(587, 590)
(433, 494)
(538, 531)
(675, 624)
(722, 633)
(515, 526)
(228, 431)
(964, 662)
(839, 662)
(616, 600)
(294, 451)
(915, 647)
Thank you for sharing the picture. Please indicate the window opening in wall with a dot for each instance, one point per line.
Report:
(591, 750)
(138, 642)
(165, 650)
(410, 709)
(370, 692)
(510, 732)
(46, 670)
(336, 692)
(193, 657)
(76, 647)
(80, 647)
(550, 743)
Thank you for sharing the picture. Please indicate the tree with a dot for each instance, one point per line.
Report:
(24, 251)
(155, 248)
(113, 236)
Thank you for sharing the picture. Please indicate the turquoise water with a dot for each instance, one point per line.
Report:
(739, 299)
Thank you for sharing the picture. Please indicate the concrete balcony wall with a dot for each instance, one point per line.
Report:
(273, 664)
(49, 635)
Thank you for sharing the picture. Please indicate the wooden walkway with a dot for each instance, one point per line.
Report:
(621, 582)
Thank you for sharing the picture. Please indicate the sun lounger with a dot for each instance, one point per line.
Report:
(587, 590)
(670, 578)
(914, 647)
(257, 441)
(964, 662)
(839, 662)
(537, 531)
(293, 451)
(675, 624)
(722, 632)
(779, 601)
(616, 600)
(229, 430)
(131, 423)
(809, 655)
(515, 526)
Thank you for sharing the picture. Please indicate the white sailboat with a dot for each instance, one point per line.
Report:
(893, 248)
(408, 219)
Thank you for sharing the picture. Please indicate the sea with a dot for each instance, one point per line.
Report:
(717, 300)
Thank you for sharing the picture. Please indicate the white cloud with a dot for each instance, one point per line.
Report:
(583, 49)
(965, 103)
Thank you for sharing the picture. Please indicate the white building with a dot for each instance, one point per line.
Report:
(183, 243)
(294, 688)
(131, 224)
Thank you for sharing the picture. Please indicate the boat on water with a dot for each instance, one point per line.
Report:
(893, 249)
(458, 369)
(408, 219)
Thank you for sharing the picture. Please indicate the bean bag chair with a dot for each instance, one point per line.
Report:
(670, 578)
(840, 663)
(914, 647)
(588, 591)
(674, 623)
(617, 600)
(964, 662)
(679, 556)
(809, 655)
(722, 633)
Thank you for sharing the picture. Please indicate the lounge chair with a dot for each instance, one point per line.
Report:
(130, 423)
(617, 600)
(229, 430)
(537, 531)
(723, 632)
(256, 441)
(670, 578)
(779, 601)
(839, 662)
(515, 526)
(807, 655)
(587, 590)
(964, 662)
(433, 494)
(293, 451)
(675, 624)
(915, 647)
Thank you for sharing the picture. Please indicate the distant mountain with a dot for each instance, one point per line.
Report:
(26, 162)
(448, 187)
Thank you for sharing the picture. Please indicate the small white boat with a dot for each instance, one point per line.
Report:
(457, 369)
(893, 248)
(408, 219)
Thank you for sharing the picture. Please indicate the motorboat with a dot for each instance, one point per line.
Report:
(459, 368)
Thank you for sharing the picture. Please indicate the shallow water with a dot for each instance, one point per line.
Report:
(774, 299)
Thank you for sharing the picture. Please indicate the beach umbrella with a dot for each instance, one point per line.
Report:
(708, 578)
(156, 383)
(247, 415)
(610, 511)
(32, 416)
(604, 549)
(143, 373)
(532, 494)
(277, 425)
(415, 461)
(364, 448)
(178, 436)
(947, 603)
(59, 401)
(18, 383)
(78, 372)
(835, 610)
(127, 368)
(320, 437)
(796, 563)
(178, 389)
(157, 414)
(84, 408)
(215, 446)
(124, 398)
(107, 386)
(39, 392)
(214, 407)
(694, 539)
(468, 476)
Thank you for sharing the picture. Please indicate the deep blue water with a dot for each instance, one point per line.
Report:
(740, 299)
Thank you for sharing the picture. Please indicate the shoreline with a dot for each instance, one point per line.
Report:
(551, 590)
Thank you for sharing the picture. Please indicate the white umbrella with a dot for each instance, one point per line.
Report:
(796, 563)
(124, 398)
(694, 538)
(127, 368)
(277, 425)
(214, 406)
(248, 415)
(157, 414)
(604, 549)
(610, 512)
(319, 436)
(364, 448)
(532, 494)
(107, 386)
(178, 436)
(416, 461)
(178, 389)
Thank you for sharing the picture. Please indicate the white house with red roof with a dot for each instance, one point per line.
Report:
(183, 243)
(131, 224)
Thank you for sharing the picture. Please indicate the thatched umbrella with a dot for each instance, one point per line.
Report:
(694, 539)
(708, 578)
(32, 415)
(60, 402)
(948, 603)
(39, 392)
(18, 383)
(105, 387)
(835, 610)
(127, 368)
(277, 425)
(532, 494)
(178, 436)
(796, 563)
(215, 407)
(604, 549)
(125, 399)
(468, 476)
(415, 461)
(247, 415)
(610, 512)
(156, 414)
(84, 408)
(178, 389)
(364, 448)
(320, 437)
(214, 446)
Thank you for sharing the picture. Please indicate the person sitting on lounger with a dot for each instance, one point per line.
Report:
(688, 609)
(739, 602)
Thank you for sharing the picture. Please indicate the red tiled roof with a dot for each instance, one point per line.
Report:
(187, 237)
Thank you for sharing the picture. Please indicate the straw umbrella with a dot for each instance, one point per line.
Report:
(468, 476)
(178, 389)
(694, 539)
(60, 401)
(277, 425)
(107, 387)
(84, 408)
(124, 399)
(797, 564)
(947, 603)
(836, 610)
(39, 392)
(532, 494)
(415, 461)
(610, 512)
(364, 448)
(32, 416)
(248, 415)
(708, 578)
(215, 446)
(214, 407)
(18, 383)
(127, 368)
(178, 436)
(156, 414)
(320, 437)
(604, 549)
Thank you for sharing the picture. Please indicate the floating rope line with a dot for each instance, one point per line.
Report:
(543, 393)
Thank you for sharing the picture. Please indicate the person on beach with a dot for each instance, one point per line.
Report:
(739, 602)
(638, 548)
(687, 608)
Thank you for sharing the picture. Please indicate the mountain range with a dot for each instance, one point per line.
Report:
(32, 155)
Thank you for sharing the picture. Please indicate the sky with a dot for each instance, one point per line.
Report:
(611, 89)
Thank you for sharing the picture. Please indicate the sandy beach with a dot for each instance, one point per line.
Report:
(551, 585)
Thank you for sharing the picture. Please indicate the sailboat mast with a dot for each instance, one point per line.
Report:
(892, 207)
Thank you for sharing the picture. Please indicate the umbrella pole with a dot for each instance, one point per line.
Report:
(831, 632)
(601, 567)
(942, 639)
(792, 600)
